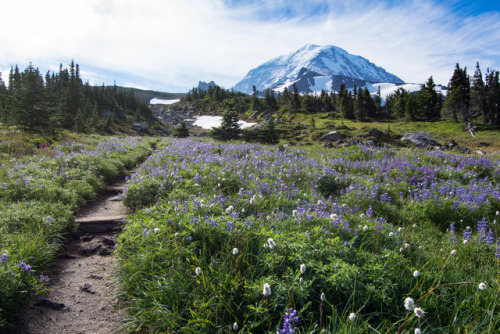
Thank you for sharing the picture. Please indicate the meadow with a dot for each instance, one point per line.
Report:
(246, 238)
(43, 184)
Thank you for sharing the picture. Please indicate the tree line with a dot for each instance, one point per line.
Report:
(60, 100)
(468, 99)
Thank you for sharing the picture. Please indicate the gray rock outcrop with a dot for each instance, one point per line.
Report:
(421, 139)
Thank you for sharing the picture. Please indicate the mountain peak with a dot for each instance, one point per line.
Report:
(324, 61)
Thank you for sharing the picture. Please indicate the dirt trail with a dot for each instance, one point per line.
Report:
(81, 298)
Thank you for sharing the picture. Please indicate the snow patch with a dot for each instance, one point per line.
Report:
(210, 122)
(161, 101)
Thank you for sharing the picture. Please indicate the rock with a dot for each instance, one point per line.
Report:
(104, 251)
(376, 133)
(108, 241)
(421, 139)
(328, 145)
(370, 143)
(480, 152)
(87, 288)
(141, 127)
(451, 144)
(87, 238)
(332, 136)
(92, 249)
(94, 276)
(50, 304)
(464, 150)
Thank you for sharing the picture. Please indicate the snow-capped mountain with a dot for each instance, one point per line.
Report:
(315, 68)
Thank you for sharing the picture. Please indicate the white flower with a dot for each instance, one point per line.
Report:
(301, 280)
(453, 252)
(197, 271)
(409, 303)
(401, 250)
(407, 245)
(267, 290)
(235, 326)
(271, 243)
(414, 225)
(302, 268)
(229, 209)
(498, 213)
(400, 229)
(419, 312)
(333, 216)
(391, 234)
(252, 200)
(294, 213)
(362, 215)
(243, 210)
(320, 202)
(235, 251)
(416, 273)
(268, 218)
(322, 297)
(176, 235)
(352, 316)
(466, 241)
(156, 230)
(417, 331)
(482, 286)
(365, 228)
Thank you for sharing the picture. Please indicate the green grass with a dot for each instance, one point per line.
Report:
(43, 183)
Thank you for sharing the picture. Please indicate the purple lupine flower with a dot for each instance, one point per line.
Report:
(26, 267)
(490, 238)
(467, 234)
(289, 319)
(4, 257)
(44, 278)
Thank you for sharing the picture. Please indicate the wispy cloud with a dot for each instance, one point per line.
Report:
(170, 45)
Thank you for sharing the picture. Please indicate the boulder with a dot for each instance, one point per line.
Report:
(328, 145)
(141, 127)
(376, 133)
(421, 139)
(332, 136)
(451, 144)
(370, 143)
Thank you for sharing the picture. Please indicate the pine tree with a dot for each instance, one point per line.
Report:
(458, 98)
(229, 129)
(492, 97)
(181, 131)
(31, 111)
(428, 102)
(346, 105)
(478, 95)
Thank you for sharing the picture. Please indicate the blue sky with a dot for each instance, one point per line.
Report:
(170, 45)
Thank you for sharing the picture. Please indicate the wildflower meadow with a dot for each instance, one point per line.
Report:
(246, 238)
(41, 190)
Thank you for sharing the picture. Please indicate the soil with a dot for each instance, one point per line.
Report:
(81, 279)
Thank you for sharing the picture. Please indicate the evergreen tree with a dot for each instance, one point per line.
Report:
(346, 105)
(31, 111)
(181, 131)
(229, 129)
(428, 102)
(478, 95)
(492, 97)
(411, 108)
(458, 98)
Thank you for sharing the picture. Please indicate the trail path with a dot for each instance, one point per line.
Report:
(81, 298)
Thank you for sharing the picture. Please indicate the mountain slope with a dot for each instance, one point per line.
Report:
(316, 62)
